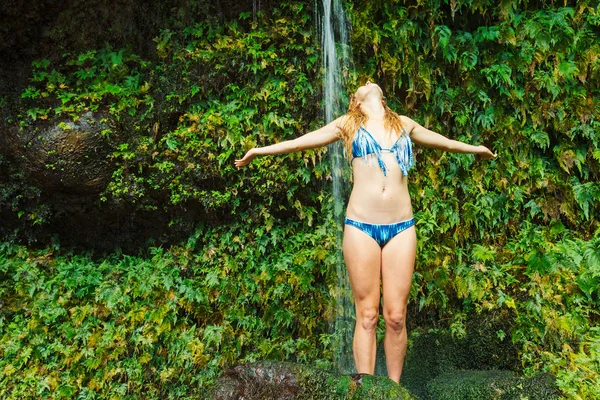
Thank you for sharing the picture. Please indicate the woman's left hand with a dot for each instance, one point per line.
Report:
(485, 153)
(247, 159)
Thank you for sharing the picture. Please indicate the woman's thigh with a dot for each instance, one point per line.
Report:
(362, 255)
(397, 265)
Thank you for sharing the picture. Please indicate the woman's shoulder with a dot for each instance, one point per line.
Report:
(407, 123)
(347, 122)
(405, 119)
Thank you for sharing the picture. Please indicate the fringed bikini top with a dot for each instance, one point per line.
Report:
(365, 144)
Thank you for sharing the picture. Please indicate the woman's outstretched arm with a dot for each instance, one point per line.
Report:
(431, 139)
(320, 137)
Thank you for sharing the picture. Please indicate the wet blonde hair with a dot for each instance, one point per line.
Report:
(354, 118)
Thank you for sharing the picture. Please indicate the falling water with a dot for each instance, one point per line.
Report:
(255, 9)
(334, 29)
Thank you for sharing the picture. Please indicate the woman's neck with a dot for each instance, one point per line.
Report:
(372, 108)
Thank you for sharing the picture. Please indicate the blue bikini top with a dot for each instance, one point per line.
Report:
(364, 144)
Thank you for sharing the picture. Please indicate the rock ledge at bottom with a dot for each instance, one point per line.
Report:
(274, 380)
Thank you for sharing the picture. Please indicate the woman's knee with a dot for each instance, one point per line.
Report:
(367, 318)
(395, 319)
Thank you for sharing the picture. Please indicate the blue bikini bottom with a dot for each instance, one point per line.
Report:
(382, 233)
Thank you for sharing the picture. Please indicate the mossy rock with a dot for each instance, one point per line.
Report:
(63, 155)
(479, 366)
(432, 354)
(541, 386)
(492, 384)
(270, 380)
(470, 385)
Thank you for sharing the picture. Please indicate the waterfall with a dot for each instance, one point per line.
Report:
(255, 9)
(334, 30)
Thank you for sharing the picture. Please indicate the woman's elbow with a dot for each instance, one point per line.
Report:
(445, 146)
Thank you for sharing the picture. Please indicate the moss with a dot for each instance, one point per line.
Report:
(470, 385)
(492, 384)
(541, 386)
(432, 354)
(268, 380)
(477, 366)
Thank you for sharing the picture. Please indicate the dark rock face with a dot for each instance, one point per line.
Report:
(63, 155)
(59, 169)
(269, 380)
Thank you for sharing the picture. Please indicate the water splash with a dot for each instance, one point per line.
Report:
(334, 37)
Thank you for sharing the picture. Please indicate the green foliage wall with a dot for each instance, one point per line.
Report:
(518, 235)
(162, 326)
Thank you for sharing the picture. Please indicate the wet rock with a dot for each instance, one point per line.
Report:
(270, 380)
(62, 155)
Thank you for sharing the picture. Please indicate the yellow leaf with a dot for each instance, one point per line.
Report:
(510, 303)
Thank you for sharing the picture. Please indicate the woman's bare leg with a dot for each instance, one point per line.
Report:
(397, 265)
(362, 255)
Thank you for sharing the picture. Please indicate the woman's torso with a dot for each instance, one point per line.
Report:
(377, 198)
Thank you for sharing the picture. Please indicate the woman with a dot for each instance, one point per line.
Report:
(379, 235)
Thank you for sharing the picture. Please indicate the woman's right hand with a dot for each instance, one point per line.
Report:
(485, 153)
(247, 159)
